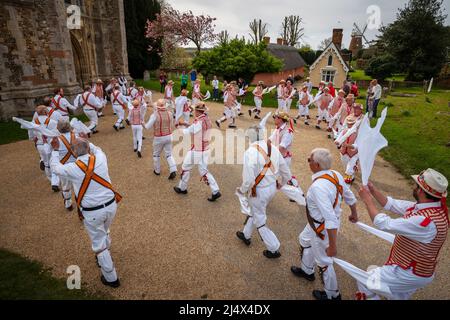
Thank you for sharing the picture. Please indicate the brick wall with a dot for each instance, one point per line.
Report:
(271, 79)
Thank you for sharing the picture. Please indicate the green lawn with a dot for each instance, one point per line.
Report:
(23, 279)
(359, 75)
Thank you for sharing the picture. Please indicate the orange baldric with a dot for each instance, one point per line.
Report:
(267, 166)
(116, 96)
(68, 147)
(47, 121)
(89, 176)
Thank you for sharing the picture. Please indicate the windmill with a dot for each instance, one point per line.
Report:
(356, 43)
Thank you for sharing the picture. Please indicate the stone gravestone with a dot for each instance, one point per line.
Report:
(146, 75)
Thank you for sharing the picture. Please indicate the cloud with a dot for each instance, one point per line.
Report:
(319, 16)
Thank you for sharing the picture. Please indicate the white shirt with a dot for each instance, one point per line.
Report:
(180, 102)
(55, 115)
(282, 137)
(96, 194)
(215, 84)
(411, 227)
(63, 149)
(302, 95)
(254, 163)
(64, 104)
(133, 93)
(92, 100)
(310, 86)
(377, 92)
(120, 98)
(280, 92)
(321, 196)
(34, 134)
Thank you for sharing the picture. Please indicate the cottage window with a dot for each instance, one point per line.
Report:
(330, 60)
(328, 75)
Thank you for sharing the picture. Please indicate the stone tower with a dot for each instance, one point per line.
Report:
(38, 51)
(355, 44)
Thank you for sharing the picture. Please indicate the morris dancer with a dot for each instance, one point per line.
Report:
(96, 200)
(289, 92)
(349, 152)
(323, 102)
(258, 96)
(229, 112)
(131, 95)
(197, 93)
(200, 132)
(282, 138)
(345, 110)
(136, 114)
(60, 104)
(169, 95)
(183, 109)
(333, 110)
(420, 234)
(66, 156)
(281, 98)
(318, 241)
(263, 163)
(304, 100)
(162, 122)
(97, 90)
(119, 104)
(90, 104)
(42, 144)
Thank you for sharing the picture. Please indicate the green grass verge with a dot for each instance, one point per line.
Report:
(23, 279)
(359, 74)
(10, 131)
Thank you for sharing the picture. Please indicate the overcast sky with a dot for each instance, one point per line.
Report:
(319, 16)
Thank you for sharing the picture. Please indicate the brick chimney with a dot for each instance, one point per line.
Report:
(285, 43)
(280, 41)
(266, 40)
(337, 37)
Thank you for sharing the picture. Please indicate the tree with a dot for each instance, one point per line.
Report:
(179, 59)
(237, 59)
(308, 54)
(223, 37)
(137, 13)
(258, 29)
(292, 32)
(381, 67)
(324, 44)
(181, 28)
(416, 39)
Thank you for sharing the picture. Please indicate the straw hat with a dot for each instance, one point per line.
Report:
(432, 182)
(201, 106)
(99, 81)
(282, 115)
(358, 106)
(184, 92)
(282, 81)
(170, 82)
(350, 120)
(326, 89)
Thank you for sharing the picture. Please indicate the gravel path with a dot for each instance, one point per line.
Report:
(168, 246)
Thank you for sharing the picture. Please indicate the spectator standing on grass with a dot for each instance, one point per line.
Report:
(215, 85)
(346, 87)
(193, 74)
(376, 91)
(184, 80)
(354, 89)
(369, 98)
(162, 81)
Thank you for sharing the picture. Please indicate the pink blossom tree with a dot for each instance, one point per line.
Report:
(174, 27)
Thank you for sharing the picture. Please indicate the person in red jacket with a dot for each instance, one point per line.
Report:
(332, 89)
(354, 89)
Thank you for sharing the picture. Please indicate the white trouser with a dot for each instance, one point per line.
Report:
(93, 117)
(200, 159)
(160, 144)
(170, 105)
(186, 116)
(288, 105)
(258, 103)
(258, 217)
(118, 110)
(323, 114)
(349, 163)
(44, 153)
(195, 101)
(402, 283)
(313, 253)
(281, 105)
(229, 113)
(137, 137)
(66, 191)
(303, 111)
(97, 224)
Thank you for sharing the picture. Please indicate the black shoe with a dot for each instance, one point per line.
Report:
(172, 175)
(115, 128)
(302, 274)
(306, 123)
(271, 255)
(240, 114)
(317, 127)
(70, 208)
(322, 295)
(257, 117)
(156, 173)
(139, 154)
(214, 197)
(114, 284)
(179, 191)
(95, 131)
(135, 150)
(241, 236)
(127, 121)
(143, 138)
(42, 165)
(218, 123)
(55, 188)
(232, 126)
(295, 121)
(121, 128)
(250, 113)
